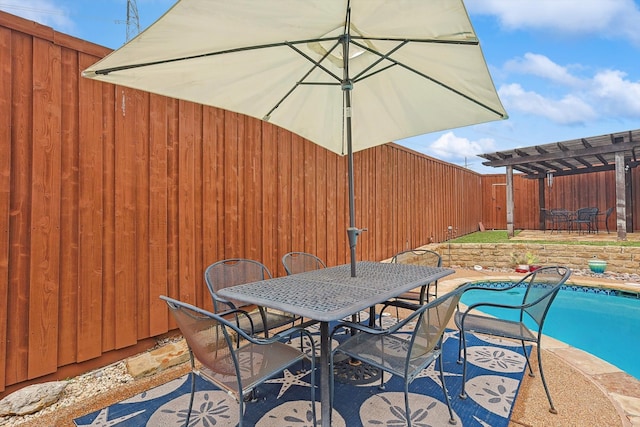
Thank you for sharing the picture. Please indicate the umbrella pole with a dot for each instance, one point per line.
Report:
(352, 231)
(347, 86)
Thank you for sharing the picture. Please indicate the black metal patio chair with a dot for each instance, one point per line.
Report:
(541, 288)
(401, 354)
(606, 215)
(299, 262)
(231, 358)
(237, 271)
(424, 257)
(586, 217)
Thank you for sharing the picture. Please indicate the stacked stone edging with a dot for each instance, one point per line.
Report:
(621, 259)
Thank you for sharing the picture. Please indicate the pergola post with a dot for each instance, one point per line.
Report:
(621, 197)
(543, 204)
(510, 230)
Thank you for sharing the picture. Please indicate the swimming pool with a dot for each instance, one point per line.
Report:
(603, 322)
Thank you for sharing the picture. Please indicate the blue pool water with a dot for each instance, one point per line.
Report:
(604, 323)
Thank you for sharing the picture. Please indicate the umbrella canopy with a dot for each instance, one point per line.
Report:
(344, 74)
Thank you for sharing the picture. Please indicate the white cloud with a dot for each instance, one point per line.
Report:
(615, 94)
(608, 93)
(570, 109)
(46, 12)
(541, 66)
(455, 149)
(606, 18)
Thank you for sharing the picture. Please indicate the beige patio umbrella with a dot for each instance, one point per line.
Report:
(345, 74)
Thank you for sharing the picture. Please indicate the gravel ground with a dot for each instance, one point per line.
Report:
(81, 388)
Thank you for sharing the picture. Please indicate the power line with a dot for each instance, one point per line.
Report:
(31, 9)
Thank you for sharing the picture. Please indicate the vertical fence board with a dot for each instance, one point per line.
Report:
(173, 184)
(68, 308)
(142, 213)
(158, 210)
(104, 279)
(198, 267)
(269, 191)
(329, 253)
(45, 215)
(321, 195)
(308, 198)
(284, 202)
(125, 210)
(211, 147)
(297, 225)
(249, 145)
(20, 210)
(186, 211)
(5, 190)
(231, 179)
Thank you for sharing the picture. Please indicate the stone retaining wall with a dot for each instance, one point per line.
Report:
(620, 259)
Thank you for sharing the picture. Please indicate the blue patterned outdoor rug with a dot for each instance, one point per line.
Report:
(495, 372)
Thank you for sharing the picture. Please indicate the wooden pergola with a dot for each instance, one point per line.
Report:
(616, 151)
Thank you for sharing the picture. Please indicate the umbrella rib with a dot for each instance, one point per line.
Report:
(473, 42)
(106, 71)
(420, 73)
(316, 64)
(379, 60)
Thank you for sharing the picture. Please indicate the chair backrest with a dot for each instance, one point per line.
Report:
(418, 257)
(231, 272)
(542, 286)
(299, 262)
(211, 340)
(432, 321)
(608, 214)
(586, 214)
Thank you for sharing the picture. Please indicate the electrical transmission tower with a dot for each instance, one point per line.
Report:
(133, 21)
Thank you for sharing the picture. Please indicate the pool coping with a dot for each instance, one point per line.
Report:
(622, 389)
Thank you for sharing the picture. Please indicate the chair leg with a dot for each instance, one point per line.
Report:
(406, 402)
(552, 409)
(526, 356)
(463, 342)
(241, 406)
(313, 390)
(440, 362)
(193, 391)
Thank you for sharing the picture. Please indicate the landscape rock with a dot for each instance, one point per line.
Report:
(32, 398)
(158, 359)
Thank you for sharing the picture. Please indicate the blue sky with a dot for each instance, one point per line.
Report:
(564, 69)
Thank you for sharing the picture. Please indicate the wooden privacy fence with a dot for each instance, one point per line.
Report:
(566, 192)
(110, 197)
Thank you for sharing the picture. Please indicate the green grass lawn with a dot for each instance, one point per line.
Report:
(500, 236)
(492, 236)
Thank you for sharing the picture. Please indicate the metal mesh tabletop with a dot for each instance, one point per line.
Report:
(331, 293)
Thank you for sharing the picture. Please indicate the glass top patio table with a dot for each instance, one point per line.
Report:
(331, 294)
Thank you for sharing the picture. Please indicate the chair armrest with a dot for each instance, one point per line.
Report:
(418, 309)
(399, 304)
(286, 333)
(472, 287)
(236, 312)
